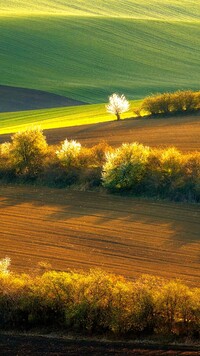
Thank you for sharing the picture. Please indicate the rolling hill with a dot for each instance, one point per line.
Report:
(85, 52)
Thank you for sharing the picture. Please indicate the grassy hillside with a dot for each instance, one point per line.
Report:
(87, 57)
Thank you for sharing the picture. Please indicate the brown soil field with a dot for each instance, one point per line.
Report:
(82, 230)
(19, 99)
(11, 345)
(182, 132)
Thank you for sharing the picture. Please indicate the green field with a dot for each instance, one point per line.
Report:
(86, 52)
(58, 117)
(172, 9)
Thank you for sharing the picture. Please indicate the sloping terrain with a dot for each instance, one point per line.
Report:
(18, 99)
(181, 132)
(58, 117)
(82, 230)
(86, 52)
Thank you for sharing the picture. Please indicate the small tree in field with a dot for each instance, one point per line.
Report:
(117, 105)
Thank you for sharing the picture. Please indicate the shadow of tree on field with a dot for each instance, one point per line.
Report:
(181, 219)
(104, 229)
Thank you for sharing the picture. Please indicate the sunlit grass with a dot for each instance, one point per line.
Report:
(165, 9)
(59, 117)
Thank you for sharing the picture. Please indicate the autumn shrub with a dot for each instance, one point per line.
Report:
(96, 302)
(183, 101)
(73, 154)
(167, 103)
(82, 165)
(69, 153)
(53, 173)
(157, 104)
(7, 172)
(197, 100)
(171, 171)
(125, 167)
(14, 299)
(174, 305)
(165, 173)
(98, 153)
(191, 174)
(27, 151)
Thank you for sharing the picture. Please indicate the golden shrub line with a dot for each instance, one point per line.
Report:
(169, 103)
(132, 167)
(98, 302)
(141, 170)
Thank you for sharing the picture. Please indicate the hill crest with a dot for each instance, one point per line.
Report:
(155, 9)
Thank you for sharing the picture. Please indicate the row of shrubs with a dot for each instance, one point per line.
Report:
(96, 302)
(131, 168)
(166, 173)
(171, 103)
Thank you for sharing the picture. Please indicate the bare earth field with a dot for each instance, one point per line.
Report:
(82, 230)
(182, 132)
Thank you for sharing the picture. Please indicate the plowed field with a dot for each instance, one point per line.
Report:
(124, 235)
(181, 132)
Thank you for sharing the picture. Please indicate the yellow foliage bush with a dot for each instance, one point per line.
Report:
(98, 302)
(177, 102)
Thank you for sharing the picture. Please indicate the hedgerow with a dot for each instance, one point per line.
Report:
(97, 302)
(165, 173)
(170, 103)
(131, 168)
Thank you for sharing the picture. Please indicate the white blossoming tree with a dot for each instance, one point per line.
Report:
(69, 153)
(4, 264)
(117, 105)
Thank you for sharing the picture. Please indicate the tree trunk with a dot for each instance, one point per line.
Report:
(118, 116)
